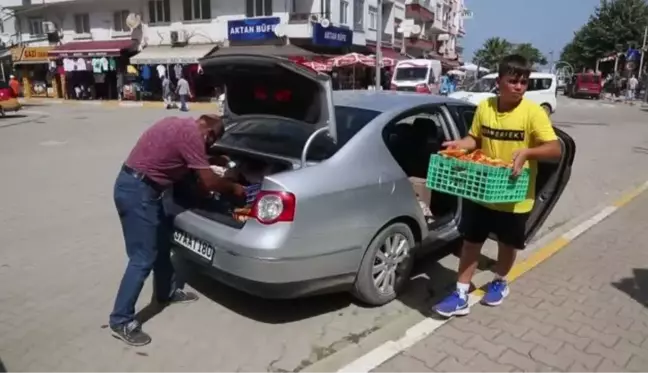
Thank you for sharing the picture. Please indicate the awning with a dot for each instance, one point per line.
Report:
(271, 50)
(166, 54)
(99, 48)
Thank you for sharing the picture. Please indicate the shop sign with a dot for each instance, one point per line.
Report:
(332, 36)
(30, 54)
(252, 28)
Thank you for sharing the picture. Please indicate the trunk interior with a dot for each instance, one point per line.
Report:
(250, 169)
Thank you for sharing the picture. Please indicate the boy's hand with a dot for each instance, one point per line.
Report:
(467, 143)
(519, 159)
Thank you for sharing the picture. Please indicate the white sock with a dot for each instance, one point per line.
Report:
(462, 289)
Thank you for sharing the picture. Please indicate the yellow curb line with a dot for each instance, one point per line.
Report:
(427, 326)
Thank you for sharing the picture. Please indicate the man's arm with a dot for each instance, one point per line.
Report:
(215, 183)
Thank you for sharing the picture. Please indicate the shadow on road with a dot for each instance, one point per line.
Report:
(640, 149)
(2, 366)
(430, 282)
(563, 124)
(636, 287)
(13, 116)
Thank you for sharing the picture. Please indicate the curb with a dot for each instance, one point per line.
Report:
(417, 329)
(119, 104)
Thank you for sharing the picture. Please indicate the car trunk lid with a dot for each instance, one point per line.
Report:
(267, 85)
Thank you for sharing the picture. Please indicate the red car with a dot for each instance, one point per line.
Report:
(584, 85)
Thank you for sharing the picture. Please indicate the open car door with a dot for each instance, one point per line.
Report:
(273, 86)
(551, 181)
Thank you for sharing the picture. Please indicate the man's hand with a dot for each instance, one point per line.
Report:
(519, 159)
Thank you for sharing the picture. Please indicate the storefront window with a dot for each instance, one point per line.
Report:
(358, 15)
(258, 8)
(119, 20)
(36, 26)
(196, 9)
(159, 11)
(82, 23)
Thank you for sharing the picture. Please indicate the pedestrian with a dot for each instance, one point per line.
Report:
(517, 130)
(631, 90)
(167, 93)
(163, 155)
(15, 85)
(184, 92)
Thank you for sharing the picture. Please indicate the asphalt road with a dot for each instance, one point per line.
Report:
(63, 255)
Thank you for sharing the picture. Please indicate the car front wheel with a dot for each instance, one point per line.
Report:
(386, 265)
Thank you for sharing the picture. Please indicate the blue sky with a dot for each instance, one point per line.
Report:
(547, 24)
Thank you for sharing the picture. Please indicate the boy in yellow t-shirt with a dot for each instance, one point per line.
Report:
(517, 130)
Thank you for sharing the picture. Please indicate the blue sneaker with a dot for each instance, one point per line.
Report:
(495, 293)
(453, 305)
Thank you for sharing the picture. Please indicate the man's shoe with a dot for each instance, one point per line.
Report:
(453, 305)
(131, 333)
(180, 296)
(495, 293)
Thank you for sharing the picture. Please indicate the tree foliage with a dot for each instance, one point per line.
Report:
(496, 48)
(615, 26)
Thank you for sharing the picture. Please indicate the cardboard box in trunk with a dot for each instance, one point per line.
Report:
(423, 194)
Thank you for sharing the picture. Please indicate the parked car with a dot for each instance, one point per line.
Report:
(337, 210)
(543, 89)
(8, 99)
(584, 85)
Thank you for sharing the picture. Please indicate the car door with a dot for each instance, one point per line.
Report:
(267, 85)
(552, 178)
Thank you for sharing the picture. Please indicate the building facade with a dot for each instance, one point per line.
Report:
(172, 32)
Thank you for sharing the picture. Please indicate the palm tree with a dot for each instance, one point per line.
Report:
(492, 51)
(531, 53)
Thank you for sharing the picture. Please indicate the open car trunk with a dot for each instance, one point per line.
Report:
(249, 170)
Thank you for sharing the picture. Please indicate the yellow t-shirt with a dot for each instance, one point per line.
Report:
(501, 134)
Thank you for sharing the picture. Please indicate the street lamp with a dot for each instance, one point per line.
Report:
(379, 31)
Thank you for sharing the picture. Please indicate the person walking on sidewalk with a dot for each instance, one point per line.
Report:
(514, 129)
(163, 155)
(631, 90)
(184, 92)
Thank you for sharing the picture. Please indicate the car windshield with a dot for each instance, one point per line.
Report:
(410, 73)
(286, 138)
(483, 85)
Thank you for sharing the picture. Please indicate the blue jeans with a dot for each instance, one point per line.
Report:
(147, 234)
(183, 102)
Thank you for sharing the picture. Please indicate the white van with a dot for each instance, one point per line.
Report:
(417, 75)
(542, 89)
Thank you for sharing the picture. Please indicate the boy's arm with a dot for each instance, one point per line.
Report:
(544, 136)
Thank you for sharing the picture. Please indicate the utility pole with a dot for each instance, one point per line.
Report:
(551, 63)
(643, 51)
(379, 32)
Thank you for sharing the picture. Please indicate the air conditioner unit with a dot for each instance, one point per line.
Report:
(49, 27)
(178, 37)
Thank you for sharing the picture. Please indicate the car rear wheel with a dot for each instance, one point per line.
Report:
(386, 265)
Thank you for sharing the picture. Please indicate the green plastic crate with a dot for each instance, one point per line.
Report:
(477, 182)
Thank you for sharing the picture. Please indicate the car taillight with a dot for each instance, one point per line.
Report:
(393, 87)
(423, 88)
(271, 207)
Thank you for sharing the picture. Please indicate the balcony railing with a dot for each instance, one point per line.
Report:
(305, 17)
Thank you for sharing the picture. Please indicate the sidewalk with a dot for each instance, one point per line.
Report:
(199, 106)
(584, 309)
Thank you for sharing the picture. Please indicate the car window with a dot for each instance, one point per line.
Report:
(463, 116)
(286, 138)
(539, 84)
(410, 73)
(4, 85)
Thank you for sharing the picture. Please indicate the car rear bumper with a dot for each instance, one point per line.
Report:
(247, 263)
(12, 106)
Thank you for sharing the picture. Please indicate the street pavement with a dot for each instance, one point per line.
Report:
(582, 310)
(62, 254)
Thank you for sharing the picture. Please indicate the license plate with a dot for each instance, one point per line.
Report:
(199, 247)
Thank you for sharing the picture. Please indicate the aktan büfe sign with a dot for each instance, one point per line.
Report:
(30, 54)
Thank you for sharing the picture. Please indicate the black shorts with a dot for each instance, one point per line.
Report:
(478, 222)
